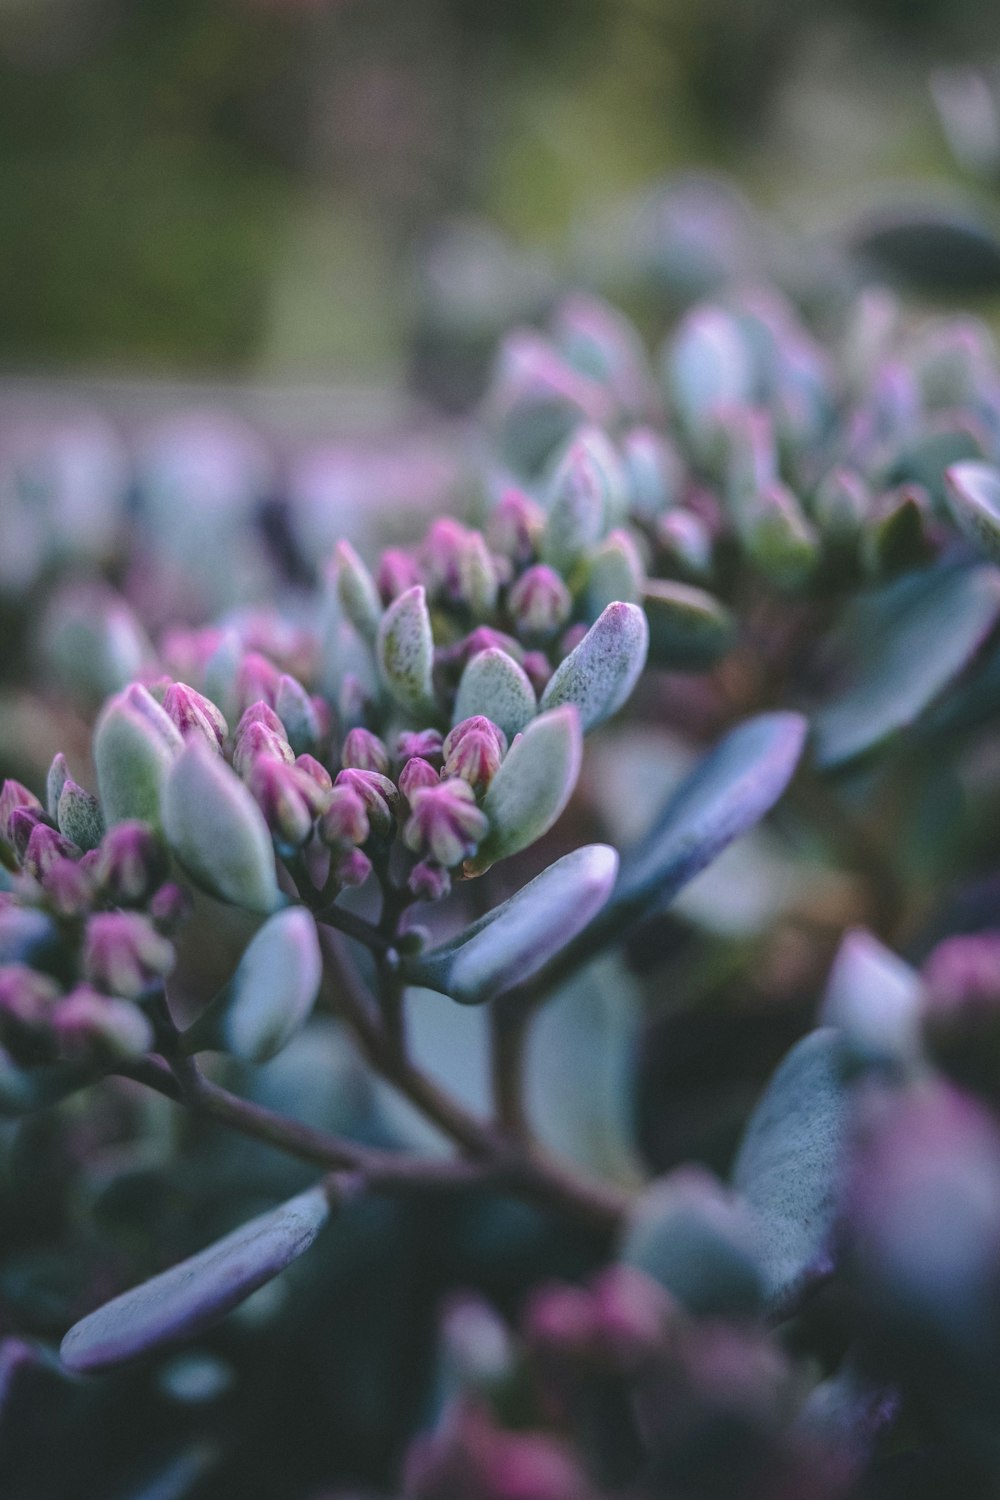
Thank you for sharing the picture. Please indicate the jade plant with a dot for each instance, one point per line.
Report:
(358, 844)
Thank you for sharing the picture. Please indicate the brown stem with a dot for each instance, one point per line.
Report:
(508, 1039)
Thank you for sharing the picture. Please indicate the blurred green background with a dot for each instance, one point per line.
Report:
(245, 186)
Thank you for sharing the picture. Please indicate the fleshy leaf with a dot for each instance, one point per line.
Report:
(217, 831)
(935, 247)
(357, 592)
(532, 786)
(494, 685)
(695, 1238)
(599, 675)
(875, 999)
(789, 1163)
(973, 491)
(134, 747)
(196, 1293)
(902, 647)
(405, 649)
(688, 628)
(615, 572)
(724, 796)
(271, 995)
(514, 940)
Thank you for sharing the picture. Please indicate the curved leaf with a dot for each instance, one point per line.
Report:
(790, 1160)
(193, 1295)
(217, 830)
(598, 676)
(514, 940)
(494, 685)
(688, 627)
(973, 492)
(901, 648)
(532, 786)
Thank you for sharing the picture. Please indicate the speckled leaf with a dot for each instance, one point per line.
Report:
(599, 675)
(195, 1294)
(901, 648)
(790, 1160)
(493, 684)
(405, 649)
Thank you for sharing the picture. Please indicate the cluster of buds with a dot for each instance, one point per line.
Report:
(85, 929)
(631, 1394)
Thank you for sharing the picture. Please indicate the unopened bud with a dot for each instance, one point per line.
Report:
(474, 750)
(289, 799)
(345, 821)
(540, 603)
(515, 527)
(445, 823)
(131, 863)
(69, 888)
(428, 881)
(169, 907)
(364, 751)
(124, 954)
(961, 1019)
(44, 847)
(397, 572)
(195, 714)
(91, 1026)
(416, 773)
(317, 772)
(13, 796)
(426, 743)
(350, 867)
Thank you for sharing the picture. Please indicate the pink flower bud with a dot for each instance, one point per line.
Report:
(350, 867)
(27, 999)
(423, 742)
(169, 907)
(428, 881)
(44, 847)
(289, 798)
(130, 864)
(379, 795)
(540, 603)
(474, 750)
(537, 669)
(22, 823)
(397, 572)
(124, 954)
(256, 740)
(364, 751)
(416, 773)
(13, 796)
(445, 823)
(89, 1026)
(515, 526)
(195, 714)
(318, 773)
(442, 554)
(69, 889)
(345, 821)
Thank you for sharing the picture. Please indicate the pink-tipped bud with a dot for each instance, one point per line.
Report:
(426, 743)
(27, 999)
(14, 796)
(195, 714)
(538, 670)
(44, 847)
(130, 864)
(289, 799)
(515, 527)
(69, 889)
(474, 750)
(428, 881)
(170, 907)
(416, 773)
(445, 824)
(442, 552)
(540, 603)
(485, 638)
(317, 772)
(380, 797)
(364, 751)
(257, 740)
(345, 821)
(123, 953)
(257, 680)
(397, 572)
(89, 1027)
(350, 867)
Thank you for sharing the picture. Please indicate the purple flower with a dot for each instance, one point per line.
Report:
(474, 750)
(445, 824)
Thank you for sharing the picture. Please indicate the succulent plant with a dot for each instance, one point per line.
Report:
(396, 882)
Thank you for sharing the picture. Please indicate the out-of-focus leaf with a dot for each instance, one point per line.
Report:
(973, 491)
(901, 648)
(688, 628)
(874, 998)
(197, 1292)
(790, 1161)
(599, 674)
(697, 1240)
(934, 248)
